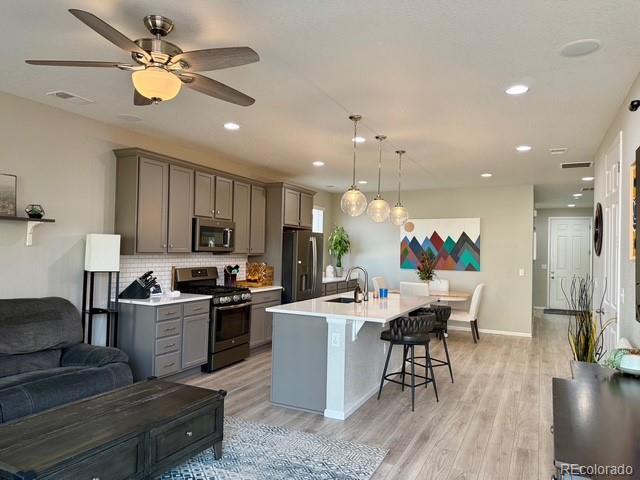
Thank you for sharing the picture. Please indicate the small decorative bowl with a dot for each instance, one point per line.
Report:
(34, 211)
(630, 363)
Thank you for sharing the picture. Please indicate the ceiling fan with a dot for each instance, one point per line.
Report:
(162, 67)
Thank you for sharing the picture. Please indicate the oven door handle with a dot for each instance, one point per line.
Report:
(233, 307)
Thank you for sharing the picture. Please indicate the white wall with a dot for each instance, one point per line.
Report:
(65, 162)
(540, 265)
(506, 215)
(629, 123)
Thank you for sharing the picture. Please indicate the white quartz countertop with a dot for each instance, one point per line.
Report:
(376, 310)
(265, 289)
(165, 300)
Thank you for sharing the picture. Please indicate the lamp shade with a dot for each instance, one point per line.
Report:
(156, 83)
(102, 253)
(353, 202)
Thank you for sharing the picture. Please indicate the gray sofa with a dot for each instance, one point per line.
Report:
(43, 362)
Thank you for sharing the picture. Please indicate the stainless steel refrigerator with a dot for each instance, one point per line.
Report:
(301, 265)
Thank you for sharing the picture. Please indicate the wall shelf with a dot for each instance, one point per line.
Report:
(32, 223)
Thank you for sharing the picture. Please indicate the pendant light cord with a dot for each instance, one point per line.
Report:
(355, 135)
(399, 152)
(380, 138)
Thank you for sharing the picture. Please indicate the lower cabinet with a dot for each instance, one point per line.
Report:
(340, 286)
(261, 320)
(164, 340)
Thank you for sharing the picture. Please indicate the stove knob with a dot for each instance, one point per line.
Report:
(236, 298)
(246, 296)
(224, 299)
(216, 301)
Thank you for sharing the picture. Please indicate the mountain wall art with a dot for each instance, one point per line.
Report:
(455, 243)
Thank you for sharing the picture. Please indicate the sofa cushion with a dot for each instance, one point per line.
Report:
(28, 362)
(32, 324)
(91, 356)
(37, 391)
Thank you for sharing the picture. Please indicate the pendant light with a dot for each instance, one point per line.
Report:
(378, 209)
(399, 214)
(353, 201)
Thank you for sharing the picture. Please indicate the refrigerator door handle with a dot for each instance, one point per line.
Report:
(314, 252)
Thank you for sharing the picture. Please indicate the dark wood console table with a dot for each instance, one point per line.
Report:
(596, 421)
(136, 432)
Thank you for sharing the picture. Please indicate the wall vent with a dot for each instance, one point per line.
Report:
(576, 165)
(70, 97)
(558, 151)
(586, 189)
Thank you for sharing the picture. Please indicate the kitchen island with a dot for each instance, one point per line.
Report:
(328, 356)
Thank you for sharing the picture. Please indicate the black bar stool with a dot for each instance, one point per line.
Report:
(409, 332)
(442, 314)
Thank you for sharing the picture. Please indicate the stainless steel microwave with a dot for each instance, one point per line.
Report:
(211, 235)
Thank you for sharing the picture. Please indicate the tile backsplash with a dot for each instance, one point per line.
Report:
(132, 266)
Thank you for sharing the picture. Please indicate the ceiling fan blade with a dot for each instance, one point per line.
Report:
(215, 89)
(217, 58)
(139, 99)
(73, 63)
(108, 32)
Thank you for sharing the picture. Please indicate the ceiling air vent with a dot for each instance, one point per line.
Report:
(558, 151)
(70, 97)
(576, 165)
(586, 189)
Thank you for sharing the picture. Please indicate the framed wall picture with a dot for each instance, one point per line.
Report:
(633, 220)
(8, 184)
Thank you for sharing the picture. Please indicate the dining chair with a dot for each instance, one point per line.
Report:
(471, 316)
(378, 283)
(414, 289)
(439, 285)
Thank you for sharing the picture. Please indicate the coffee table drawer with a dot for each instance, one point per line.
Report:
(123, 461)
(167, 364)
(174, 437)
(170, 311)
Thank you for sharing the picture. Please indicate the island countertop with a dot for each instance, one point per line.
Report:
(378, 310)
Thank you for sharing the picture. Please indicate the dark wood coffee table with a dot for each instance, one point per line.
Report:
(135, 432)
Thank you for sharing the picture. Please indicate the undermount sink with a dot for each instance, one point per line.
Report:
(341, 300)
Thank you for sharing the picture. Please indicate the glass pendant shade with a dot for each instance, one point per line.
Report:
(353, 202)
(398, 215)
(378, 210)
(155, 83)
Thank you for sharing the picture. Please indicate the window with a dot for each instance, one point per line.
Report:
(318, 220)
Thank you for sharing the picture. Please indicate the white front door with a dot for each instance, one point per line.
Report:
(569, 256)
(611, 242)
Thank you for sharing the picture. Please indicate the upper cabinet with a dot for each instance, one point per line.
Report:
(153, 205)
(297, 208)
(180, 204)
(258, 220)
(242, 216)
(224, 198)
(205, 197)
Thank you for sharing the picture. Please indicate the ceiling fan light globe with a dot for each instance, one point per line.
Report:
(378, 210)
(353, 202)
(398, 215)
(156, 83)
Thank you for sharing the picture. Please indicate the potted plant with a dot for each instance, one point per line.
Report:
(427, 266)
(339, 246)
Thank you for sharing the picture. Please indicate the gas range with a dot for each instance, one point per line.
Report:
(203, 281)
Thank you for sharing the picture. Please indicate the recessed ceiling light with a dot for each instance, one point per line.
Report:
(523, 148)
(587, 179)
(128, 118)
(359, 139)
(318, 163)
(580, 48)
(571, 205)
(362, 182)
(577, 195)
(487, 175)
(558, 150)
(517, 89)
(231, 126)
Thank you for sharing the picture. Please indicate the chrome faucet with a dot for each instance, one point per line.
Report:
(365, 290)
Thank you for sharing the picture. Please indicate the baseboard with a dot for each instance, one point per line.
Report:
(491, 332)
(343, 415)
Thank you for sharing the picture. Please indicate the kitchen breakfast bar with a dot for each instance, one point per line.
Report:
(327, 353)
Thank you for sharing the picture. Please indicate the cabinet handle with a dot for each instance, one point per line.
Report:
(167, 365)
(189, 434)
(170, 345)
(95, 478)
(170, 329)
(170, 246)
(164, 245)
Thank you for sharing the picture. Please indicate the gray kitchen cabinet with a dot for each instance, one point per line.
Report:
(204, 195)
(164, 340)
(224, 198)
(258, 220)
(261, 320)
(194, 349)
(306, 210)
(291, 215)
(180, 202)
(153, 204)
(242, 216)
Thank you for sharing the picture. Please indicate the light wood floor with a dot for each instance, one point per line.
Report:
(493, 422)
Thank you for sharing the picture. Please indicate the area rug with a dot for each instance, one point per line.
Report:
(263, 452)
